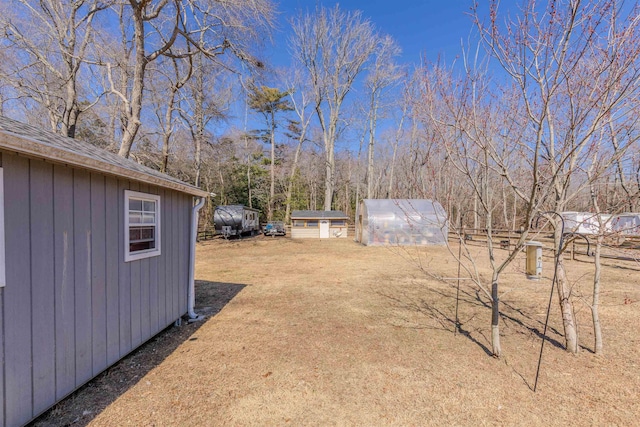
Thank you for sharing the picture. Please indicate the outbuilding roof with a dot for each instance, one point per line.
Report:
(318, 215)
(33, 141)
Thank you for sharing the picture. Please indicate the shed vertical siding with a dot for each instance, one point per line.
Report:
(175, 252)
(136, 335)
(167, 240)
(98, 274)
(2, 266)
(163, 292)
(112, 259)
(42, 293)
(152, 281)
(2, 382)
(124, 278)
(64, 281)
(82, 267)
(183, 239)
(17, 292)
(145, 311)
(72, 306)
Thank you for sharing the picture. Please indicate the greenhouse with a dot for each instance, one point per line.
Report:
(401, 222)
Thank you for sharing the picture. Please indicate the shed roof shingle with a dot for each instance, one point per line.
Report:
(318, 214)
(26, 139)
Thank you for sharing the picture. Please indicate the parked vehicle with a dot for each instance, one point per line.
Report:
(236, 220)
(585, 222)
(627, 224)
(274, 228)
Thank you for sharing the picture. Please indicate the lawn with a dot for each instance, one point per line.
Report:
(310, 332)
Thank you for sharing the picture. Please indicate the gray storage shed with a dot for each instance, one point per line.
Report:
(401, 222)
(96, 257)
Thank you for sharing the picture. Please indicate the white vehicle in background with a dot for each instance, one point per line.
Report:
(627, 224)
(585, 222)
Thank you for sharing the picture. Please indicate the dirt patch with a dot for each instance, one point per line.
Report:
(316, 332)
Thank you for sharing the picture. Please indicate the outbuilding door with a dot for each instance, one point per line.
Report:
(324, 229)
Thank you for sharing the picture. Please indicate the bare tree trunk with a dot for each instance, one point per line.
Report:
(595, 303)
(133, 107)
(292, 174)
(223, 192)
(370, 149)
(620, 169)
(272, 168)
(496, 348)
(564, 296)
(396, 142)
(198, 157)
(390, 192)
(505, 208)
(250, 193)
(72, 111)
(199, 120)
(475, 212)
(168, 131)
(515, 210)
(329, 175)
(358, 168)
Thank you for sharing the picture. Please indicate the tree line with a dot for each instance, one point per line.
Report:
(538, 115)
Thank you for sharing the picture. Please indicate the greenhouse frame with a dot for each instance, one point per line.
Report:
(401, 222)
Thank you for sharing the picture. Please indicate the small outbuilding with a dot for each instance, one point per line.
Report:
(401, 222)
(96, 257)
(318, 224)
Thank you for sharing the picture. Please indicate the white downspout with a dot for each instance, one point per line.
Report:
(191, 293)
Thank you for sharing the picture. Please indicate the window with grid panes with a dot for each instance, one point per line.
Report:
(142, 225)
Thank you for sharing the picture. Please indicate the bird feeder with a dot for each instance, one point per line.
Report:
(534, 260)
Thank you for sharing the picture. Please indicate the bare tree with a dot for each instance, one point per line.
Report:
(167, 81)
(408, 101)
(573, 64)
(206, 99)
(467, 123)
(334, 47)
(50, 42)
(297, 130)
(619, 154)
(180, 29)
(383, 74)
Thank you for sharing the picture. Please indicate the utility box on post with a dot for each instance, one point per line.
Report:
(534, 260)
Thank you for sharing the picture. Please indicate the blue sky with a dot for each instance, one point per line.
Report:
(422, 28)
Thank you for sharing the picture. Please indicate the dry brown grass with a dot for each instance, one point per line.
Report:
(334, 333)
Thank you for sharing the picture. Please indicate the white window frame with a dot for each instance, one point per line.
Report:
(3, 275)
(136, 255)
